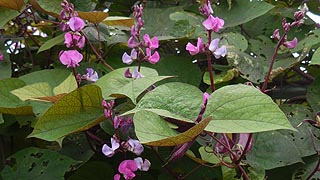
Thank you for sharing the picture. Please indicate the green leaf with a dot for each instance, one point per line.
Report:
(115, 80)
(243, 109)
(138, 86)
(52, 76)
(50, 7)
(33, 91)
(175, 100)
(315, 60)
(312, 39)
(272, 150)
(220, 78)
(248, 9)
(209, 157)
(68, 85)
(37, 164)
(150, 127)
(76, 111)
(313, 96)
(11, 104)
(1, 119)
(5, 65)
(303, 172)
(6, 15)
(93, 170)
(51, 42)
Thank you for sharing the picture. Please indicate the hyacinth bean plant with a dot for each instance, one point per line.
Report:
(175, 89)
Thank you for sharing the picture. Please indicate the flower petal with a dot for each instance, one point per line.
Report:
(126, 58)
(76, 24)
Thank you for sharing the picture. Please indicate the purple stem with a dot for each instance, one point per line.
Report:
(245, 149)
(265, 83)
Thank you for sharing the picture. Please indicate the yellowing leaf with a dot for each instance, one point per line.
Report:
(119, 21)
(33, 91)
(66, 86)
(12, 4)
(94, 17)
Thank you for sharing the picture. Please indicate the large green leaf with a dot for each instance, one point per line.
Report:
(248, 10)
(11, 104)
(175, 100)
(306, 169)
(5, 65)
(133, 89)
(115, 80)
(33, 91)
(313, 96)
(51, 42)
(76, 111)
(37, 164)
(315, 60)
(52, 76)
(243, 109)
(152, 130)
(93, 170)
(6, 15)
(272, 150)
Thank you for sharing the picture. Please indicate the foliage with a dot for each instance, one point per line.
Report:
(230, 92)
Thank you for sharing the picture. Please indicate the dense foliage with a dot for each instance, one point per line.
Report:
(163, 89)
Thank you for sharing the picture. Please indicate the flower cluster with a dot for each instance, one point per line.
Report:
(142, 50)
(211, 24)
(72, 25)
(126, 167)
(298, 20)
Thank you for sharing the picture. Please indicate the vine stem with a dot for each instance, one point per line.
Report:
(243, 172)
(97, 54)
(265, 83)
(210, 64)
(245, 149)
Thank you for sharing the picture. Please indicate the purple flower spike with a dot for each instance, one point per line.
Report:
(76, 24)
(135, 146)
(142, 165)
(213, 23)
(151, 43)
(109, 152)
(193, 50)
(74, 40)
(291, 44)
(127, 168)
(152, 58)
(71, 58)
(129, 59)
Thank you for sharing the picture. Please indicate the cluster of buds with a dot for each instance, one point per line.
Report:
(126, 167)
(72, 25)
(142, 50)
(298, 20)
(211, 24)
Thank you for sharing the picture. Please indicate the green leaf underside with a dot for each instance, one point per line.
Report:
(51, 42)
(37, 164)
(76, 111)
(9, 103)
(243, 109)
(175, 100)
(115, 80)
(152, 130)
(134, 88)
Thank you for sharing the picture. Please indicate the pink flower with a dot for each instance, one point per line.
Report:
(213, 23)
(142, 165)
(132, 43)
(151, 43)
(152, 58)
(129, 59)
(91, 75)
(136, 74)
(1, 57)
(74, 40)
(193, 50)
(291, 44)
(276, 35)
(135, 146)
(116, 177)
(109, 151)
(206, 9)
(71, 58)
(127, 168)
(214, 48)
(76, 24)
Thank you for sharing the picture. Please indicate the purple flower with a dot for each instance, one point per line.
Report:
(74, 40)
(132, 43)
(213, 23)
(137, 11)
(1, 57)
(76, 24)
(127, 168)
(91, 75)
(108, 108)
(291, 44)
(135, 146)
(127, 73)
(206, 9)
(151, 43)
(214, 48)
(243, 139)
(116, 177)
(109, 151)
(276, 35)
(129, 59)
(152, 58)
(136, 74)
(193, 50)
(133, 31)
(142, 165)
(71, 58)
